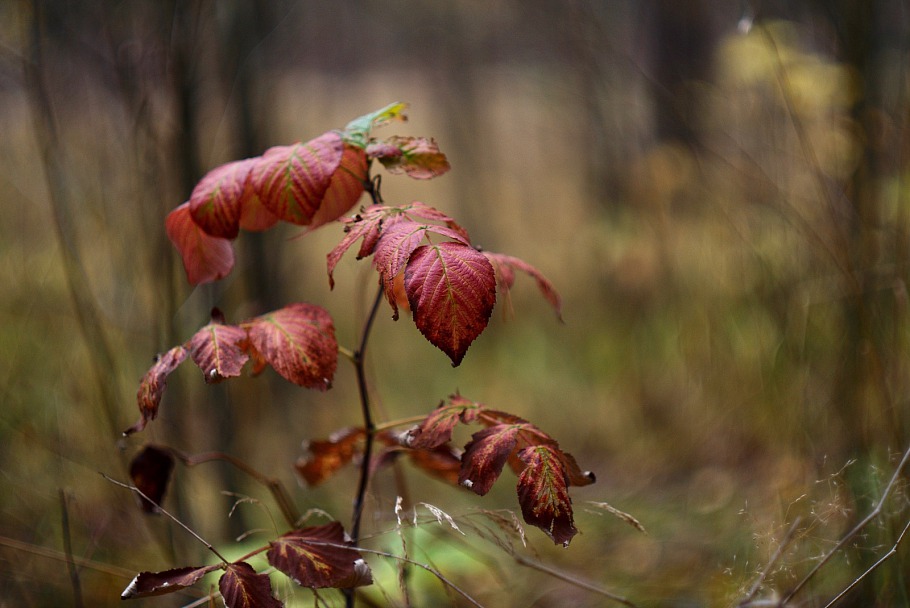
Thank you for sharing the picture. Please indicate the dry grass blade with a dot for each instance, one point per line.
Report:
(619, 514)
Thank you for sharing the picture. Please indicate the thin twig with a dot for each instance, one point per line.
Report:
(856, 529)
(534, 565)
(882, 560)
(173, 518)
(788, 538)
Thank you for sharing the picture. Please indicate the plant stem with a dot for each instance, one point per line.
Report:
(368, 424)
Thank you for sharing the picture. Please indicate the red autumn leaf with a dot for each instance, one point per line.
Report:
(217, 201)
(396, 244)
(574, 474)
(317, 557)
(217, 350)
(152, 386)
(327, 456)
(436, 428)
(417, 157)
(291, 181)
(150, 471)
(486, 455)
(441, 462)
(148, 584)
(543, 493)
(298, 341)
(242, 587)
(206, 258)
(345, 189)
(254, 217)
(452, 289)
(506, 266)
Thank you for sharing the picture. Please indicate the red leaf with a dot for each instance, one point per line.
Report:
(441, 462)
(298, 341)
(506, 265)
(452, 289)
(218, 199)
(148, 584)
(486, 455)
(292, 180)
(396, 244)
(216, 349)
(417, 157)
(150, 471)
(436, 428)
(205, 258)
(242, 587)
(327, 456)
(543, 493)
(345, 189)
(315, 557)
(152, 386)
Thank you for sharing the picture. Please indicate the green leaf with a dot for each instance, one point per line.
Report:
(357, 132)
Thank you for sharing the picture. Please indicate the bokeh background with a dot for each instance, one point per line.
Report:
(719, 190)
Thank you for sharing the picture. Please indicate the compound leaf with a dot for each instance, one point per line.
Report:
(152, 386)
(206, 258)
(451, 288)
(242, 587)
(298, 341)
(345, 187)
(217, 350)
(148, 584)
(543, 493)
(317, 557)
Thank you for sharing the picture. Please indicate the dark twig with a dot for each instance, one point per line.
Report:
(784, 543)
(166, 514)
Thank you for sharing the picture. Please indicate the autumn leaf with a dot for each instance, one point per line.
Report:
(152, 386)
(441, 462)
(486, 455)
(217, 350)
(242, 587)
(148, 584)
(451, 288)
(292, 180)
(395, 246)
(217, 201)
(298, 341)
(543, 493)
(345, 187)
(417, 157)
(436, 429)
(150, 470)
(328, 456)
(206, 258)
(317, 557)
(506, 265)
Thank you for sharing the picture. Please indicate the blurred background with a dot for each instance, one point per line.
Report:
(719, 191)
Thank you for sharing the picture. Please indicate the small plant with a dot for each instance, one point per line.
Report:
(427, 265)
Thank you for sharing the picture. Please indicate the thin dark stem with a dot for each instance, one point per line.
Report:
(368, 424)
(192, 532)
